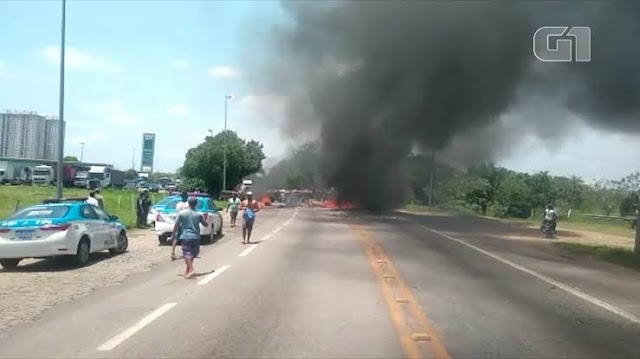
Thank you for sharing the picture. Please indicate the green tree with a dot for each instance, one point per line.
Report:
(205, 160)
(70, 158)
(191, 184)
(130, 174)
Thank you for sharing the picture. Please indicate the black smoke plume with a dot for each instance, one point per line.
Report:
(382, 78)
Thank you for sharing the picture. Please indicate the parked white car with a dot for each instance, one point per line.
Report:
(71, 228)
(166, 217)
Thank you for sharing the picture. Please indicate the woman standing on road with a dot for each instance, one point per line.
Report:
(250, 207)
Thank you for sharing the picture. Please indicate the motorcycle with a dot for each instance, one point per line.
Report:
(547, 229)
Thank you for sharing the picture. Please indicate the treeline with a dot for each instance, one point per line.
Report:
(485, 189)
(499, 192)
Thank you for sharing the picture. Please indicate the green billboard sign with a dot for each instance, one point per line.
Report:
(148, 147)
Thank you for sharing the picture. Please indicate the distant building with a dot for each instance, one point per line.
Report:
(28, 135)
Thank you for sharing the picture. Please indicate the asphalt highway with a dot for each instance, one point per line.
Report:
(324, 284)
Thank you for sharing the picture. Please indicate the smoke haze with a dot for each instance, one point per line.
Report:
(378, 79)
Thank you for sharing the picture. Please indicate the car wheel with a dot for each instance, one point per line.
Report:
(162, 240)
(122, 245)
(10, 263)
(82, 256)
(219, 233)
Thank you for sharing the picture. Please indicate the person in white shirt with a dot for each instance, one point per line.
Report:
(92, 199)
(234, 207)
(184, 204)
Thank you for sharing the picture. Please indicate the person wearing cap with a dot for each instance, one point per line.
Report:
(249, 207)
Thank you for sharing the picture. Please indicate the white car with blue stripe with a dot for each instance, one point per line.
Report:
(69, 228)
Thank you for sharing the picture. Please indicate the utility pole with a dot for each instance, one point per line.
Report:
(133, 159)
(224, 139)
(81, 151)
(431, 171)
(60, 172)
(636, 247)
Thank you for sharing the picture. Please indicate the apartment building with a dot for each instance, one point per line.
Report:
(28, 135)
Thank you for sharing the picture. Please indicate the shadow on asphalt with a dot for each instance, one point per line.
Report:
(60, 264)
(215, 240)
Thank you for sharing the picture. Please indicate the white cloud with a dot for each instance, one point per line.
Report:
(78, 59)
(224, 72)
(266, 103)
(115, 113)
(180, 63)
(178, 110)
(90, 138)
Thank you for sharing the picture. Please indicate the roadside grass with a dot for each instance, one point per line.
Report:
(620, 256)
(418, 208)
(576, 222)
(118, 202)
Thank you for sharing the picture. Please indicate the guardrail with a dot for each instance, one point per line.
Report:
(630, 219)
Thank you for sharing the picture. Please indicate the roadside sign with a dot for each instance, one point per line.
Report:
(148, 147)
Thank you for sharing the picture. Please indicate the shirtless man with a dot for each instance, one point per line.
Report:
(249, 209)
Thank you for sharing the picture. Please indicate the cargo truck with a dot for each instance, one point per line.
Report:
(103, 177)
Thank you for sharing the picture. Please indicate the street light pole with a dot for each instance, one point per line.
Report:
(81, 151)
(60, 174)
(224, 146)
(433, 168)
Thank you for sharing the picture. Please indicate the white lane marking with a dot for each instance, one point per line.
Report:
(118, 339)
(210, 276)
(286, 223)
(248, 250)
(595, 301)
(266, 237)
(276, 230)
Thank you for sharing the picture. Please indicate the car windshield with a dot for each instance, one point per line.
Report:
(99, 176)
(41, 172)
(42, 212)
(165, 201)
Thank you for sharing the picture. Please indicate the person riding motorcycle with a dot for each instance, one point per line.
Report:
(550, 216)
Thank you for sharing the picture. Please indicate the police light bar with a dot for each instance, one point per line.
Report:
(63, 200)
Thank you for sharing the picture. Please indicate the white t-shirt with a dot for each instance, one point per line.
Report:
(235, 204)
(181, 205)
(92, 201)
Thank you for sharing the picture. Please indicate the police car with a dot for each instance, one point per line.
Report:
(153, 211)
(166, 217)
(70, 228)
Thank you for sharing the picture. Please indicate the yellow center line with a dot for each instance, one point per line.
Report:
(404, 308)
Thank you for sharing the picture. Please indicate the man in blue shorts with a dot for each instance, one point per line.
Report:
(188, 225)
(250, 207)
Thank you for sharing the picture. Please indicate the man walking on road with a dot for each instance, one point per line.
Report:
(184, 204)
(188, 225)
(250, 207)
(233, 207)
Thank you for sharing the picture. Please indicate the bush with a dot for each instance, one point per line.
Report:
(498, 210)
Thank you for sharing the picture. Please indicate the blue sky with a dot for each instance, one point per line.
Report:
(132, 67)
(165, 67)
